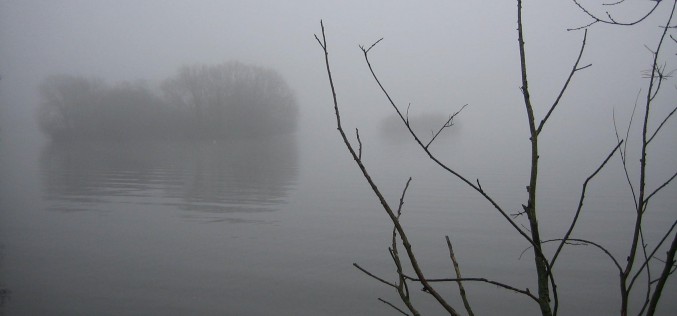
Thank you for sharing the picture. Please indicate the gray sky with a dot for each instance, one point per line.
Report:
(438, 55)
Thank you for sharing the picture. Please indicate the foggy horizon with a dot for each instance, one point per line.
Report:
(430, 56)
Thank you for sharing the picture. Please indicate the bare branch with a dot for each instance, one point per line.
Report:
(518, 214)
(661, 125)
(642, 201)
(613, 21)
(588, 242)
(611, 18)
(404, 191)
(483, 280)
(660, 187)
(434, 158)
(458, 275)
(374, 276)
(406, 121)
(545, 278)
(372, 45)
(374, 187)
(531, 234)
(545, 265)
(658, 72)
(614, 3)
(393, 306)
(402, 288)
(669, 262)
(632, 116)
(651, 93)
(359, 142)
(574, 69)
(580, 204)
(645, 264)
(623, 152)
(449, 122)
(582, 26)
(647, 295)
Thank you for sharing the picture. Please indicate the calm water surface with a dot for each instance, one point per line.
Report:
(261, 228)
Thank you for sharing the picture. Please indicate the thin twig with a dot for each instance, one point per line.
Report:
(580, 204)
(588, 242)
(402, 288)
(373, 275)
(613, 21)
(372, 45)
(660, 187)
(457, 270)
(359, 142)
(448, 123)
(574, 69)
(645, 264)
(623, 152)
(647, 294)
(483, 280)
(661, 125)
(393, 306)
(614, 3)
(404, 192)
(667, 270)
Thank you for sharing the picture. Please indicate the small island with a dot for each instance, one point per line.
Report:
(200, 102)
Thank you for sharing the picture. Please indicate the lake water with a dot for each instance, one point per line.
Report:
(263, 228)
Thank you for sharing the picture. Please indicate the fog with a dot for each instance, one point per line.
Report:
(437, 56)
(440, 55)
(434, 58)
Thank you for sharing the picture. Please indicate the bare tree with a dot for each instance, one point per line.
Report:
(643, 256)
(223, 101)
(233, 98)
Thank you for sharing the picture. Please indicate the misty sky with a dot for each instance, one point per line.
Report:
(438, 55)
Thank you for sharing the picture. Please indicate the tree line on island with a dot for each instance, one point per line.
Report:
(200, 102)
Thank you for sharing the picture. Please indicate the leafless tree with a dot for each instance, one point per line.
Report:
(642, 257)
(226, 101)
(233, 98)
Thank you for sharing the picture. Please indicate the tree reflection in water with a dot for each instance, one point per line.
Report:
(208, 179)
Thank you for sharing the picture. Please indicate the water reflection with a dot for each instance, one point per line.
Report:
(200, 178)
(5, 293)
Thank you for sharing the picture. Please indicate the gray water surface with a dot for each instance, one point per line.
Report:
(261, 228)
